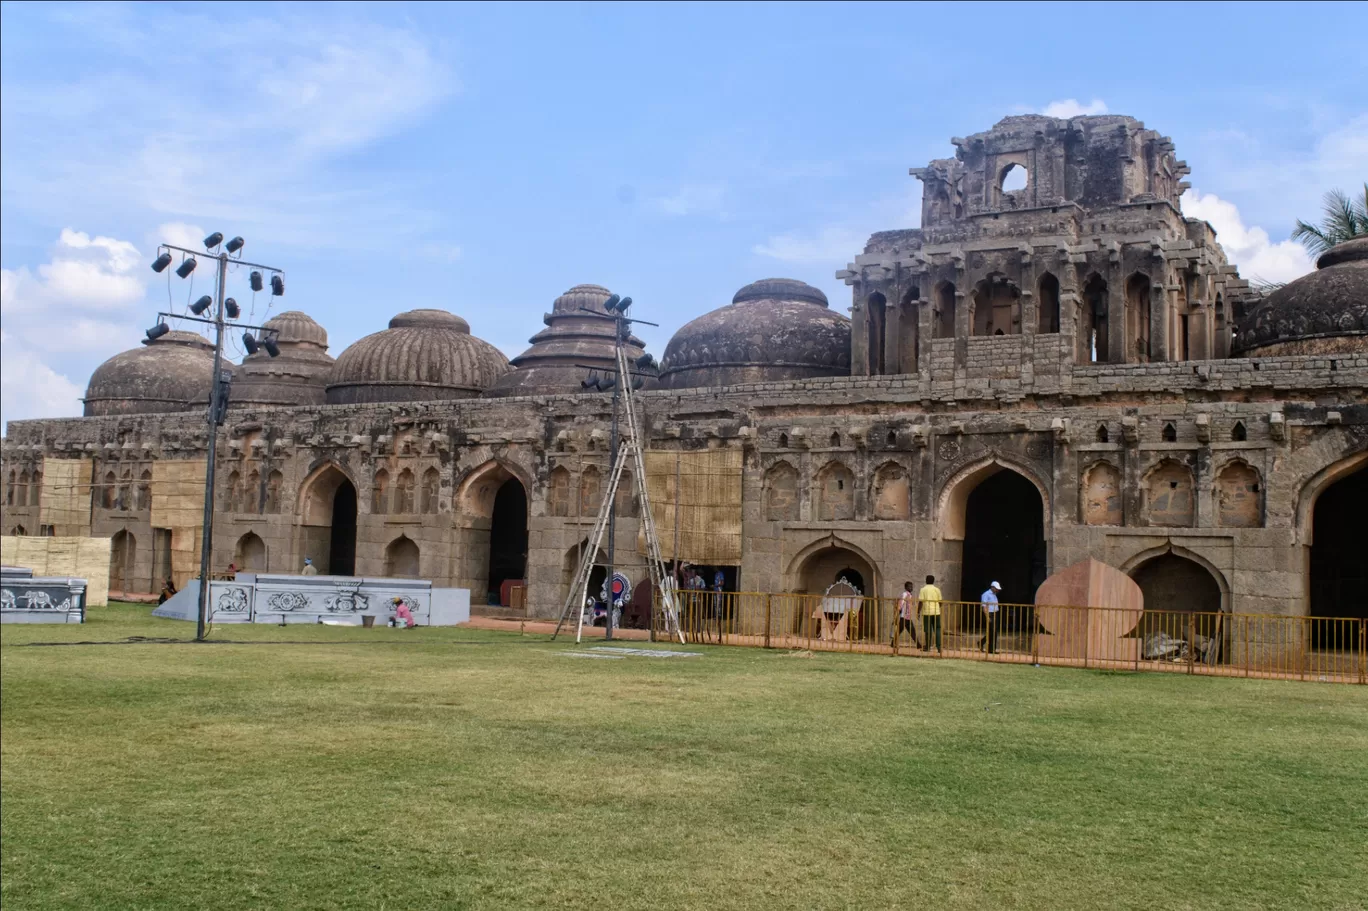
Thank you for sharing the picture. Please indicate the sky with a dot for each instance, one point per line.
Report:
(484, 159)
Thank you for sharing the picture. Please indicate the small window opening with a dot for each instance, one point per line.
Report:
(1170, 433)
(840, 484)
(892, 438)
(783, 441)
(1173, 485)
(1102, 435)
(1239, 434)
(835, 439)
(1014, 177)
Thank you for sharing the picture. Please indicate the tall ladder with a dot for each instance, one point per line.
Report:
(629, 449)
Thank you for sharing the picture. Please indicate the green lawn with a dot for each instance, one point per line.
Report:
(463, 769)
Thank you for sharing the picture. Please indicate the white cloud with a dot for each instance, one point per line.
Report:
(1072, 107)
(180, 234)
(834, 246)
(65, 316)
(30, 388)
(693, 199)
(1248, 247)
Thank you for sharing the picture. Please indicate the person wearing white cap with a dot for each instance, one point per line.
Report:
(989, 602)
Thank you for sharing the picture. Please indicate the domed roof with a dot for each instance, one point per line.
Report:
(578, 335)
(423, 355)
(1325, 312)
(170, 373)
(775, 330)
(298, 376)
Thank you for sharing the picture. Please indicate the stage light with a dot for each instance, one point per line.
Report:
(623, 304)
(269, 343)
(646, 361)
(610, 303)
(235, 245)
(255, 280)
(606, 383)
(249, 342)
(277, 285)
(213, 240)
(161, 262)
(185, 268)
(199, 306)
(157, 331)
(232, 307)
(590, 381)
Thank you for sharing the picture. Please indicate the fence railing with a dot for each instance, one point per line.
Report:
(1245, 645)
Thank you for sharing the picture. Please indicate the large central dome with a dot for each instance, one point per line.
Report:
(170, 373)
(423, 355)
(774, 330)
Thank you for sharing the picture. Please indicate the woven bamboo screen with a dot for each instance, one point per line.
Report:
(82, 558)
(178, 504)
(696, 499)
(66, 496)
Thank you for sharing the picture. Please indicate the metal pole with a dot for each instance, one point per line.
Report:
(215, 385)
(612, 490)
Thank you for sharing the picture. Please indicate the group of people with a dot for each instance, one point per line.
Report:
(926, 604)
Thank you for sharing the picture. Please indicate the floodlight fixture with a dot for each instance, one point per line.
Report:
(255, 280)
(158, 331)
(646, 361)
(187, 266)
(277, 285)
(235, 245)
(199, 306)
(638, 383)
(161, 262)
(610, 303)
(249, 342)
(269, 343)
(606, 383)
(234, 311)
(213, 240)
(590, 381)
(623, 304)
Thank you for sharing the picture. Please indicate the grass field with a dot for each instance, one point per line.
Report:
(317, 767)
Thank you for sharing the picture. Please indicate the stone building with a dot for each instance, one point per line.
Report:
(1050, 368)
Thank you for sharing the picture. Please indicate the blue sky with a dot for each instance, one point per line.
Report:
(483, 159)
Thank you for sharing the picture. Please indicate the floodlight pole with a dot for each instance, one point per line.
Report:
(218, 405)
(618, 323)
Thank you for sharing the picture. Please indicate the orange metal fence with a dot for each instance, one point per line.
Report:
(1244, 645)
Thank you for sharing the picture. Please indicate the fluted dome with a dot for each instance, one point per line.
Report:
(171, 373)
(1325, 312)
(299, 376)
(578, 334)
(775, 330)
(423, 355)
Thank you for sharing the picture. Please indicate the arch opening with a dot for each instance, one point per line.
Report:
(402, 559)
(250, 554)
(507, 539)
(1182, 603)
(1004, 538)
(1338, 572)
(945, 310)
(1092, 329)
(328, 522)
(491, 513)
(123, 554)
(876, 318)
(1139, 349)
(1047, 304)
(1013, 178)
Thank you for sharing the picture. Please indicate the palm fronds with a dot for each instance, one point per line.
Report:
(1344, 218)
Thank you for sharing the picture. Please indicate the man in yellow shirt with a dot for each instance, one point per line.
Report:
(929, 603)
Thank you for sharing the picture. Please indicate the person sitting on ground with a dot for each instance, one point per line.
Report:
(167, 592)
(309, 569)
(402, 615)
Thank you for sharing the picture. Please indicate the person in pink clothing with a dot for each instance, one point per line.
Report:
(402, 615)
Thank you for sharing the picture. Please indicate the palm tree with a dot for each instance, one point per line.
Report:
(1345, 219)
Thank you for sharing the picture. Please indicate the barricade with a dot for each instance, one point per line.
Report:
(1330, 650)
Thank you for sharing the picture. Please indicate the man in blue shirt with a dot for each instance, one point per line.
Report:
(989, 602)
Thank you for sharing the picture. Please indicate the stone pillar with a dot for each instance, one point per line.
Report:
(1118, 352)
(859, 330)
(1159, 320)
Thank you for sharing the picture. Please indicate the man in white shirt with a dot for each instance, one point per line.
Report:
(989, 602)
(907, 614)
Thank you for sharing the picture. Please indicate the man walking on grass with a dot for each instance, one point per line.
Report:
(907, 609)
(989, 602)
(929, 602)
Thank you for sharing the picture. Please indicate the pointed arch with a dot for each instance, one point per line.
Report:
(945, 310)
(1047, 304)
(431, 484)
(1101, 495)
(954, 493)
(275, 481)
(892, 492)
(835, 492)
(1169, 499)
(558, 487)
(144, 495)
(590, 490)
(380, 492)
(1312, 488)
(21, 497)
(403, 560)
(780, 492)
(403, 493)
(1239, 495)
(801, 563)
(249, 553)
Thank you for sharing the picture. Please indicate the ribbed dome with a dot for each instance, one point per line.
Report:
(775, 330)
(299, 376)
(423, 355)
(1325, 312)
(572, 337)
(171, 373)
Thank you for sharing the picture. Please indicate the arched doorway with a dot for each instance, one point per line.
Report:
(250, 554)
(596, 575)
(1175, 588)
(328, 522)
(1338, 571)
(508, 536)
(123, 554)
(823, 567)
(1004, 538)
(490, 513)
(402, 559)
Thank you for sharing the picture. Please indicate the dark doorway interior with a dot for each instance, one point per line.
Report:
(1173, 587)
(342, 548)
(1004, 539)
(1339, 569)
(507, 537)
